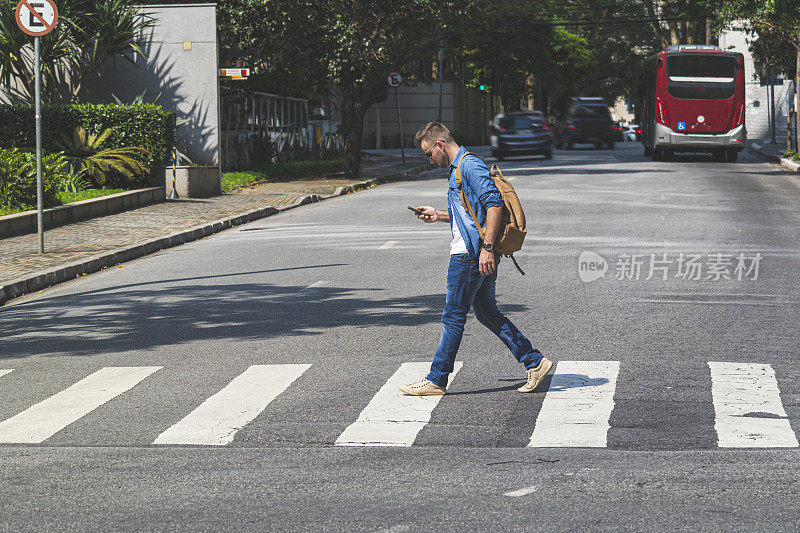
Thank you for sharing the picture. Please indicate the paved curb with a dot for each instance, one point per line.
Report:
(759, 149)
(788, 164)
(785, 163)
(47, 278)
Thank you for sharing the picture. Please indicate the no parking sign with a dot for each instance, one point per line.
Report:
(37, 17)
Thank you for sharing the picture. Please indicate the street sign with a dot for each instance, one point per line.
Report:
(394, 79)
(37, 17)
(234, 72)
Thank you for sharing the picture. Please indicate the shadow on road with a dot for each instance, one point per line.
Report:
(171, 312)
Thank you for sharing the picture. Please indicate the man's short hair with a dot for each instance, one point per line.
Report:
(431, 132)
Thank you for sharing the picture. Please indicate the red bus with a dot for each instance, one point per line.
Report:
(692, 100)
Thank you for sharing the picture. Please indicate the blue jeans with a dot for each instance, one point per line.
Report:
(467, 288)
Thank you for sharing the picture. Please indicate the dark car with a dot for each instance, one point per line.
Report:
(520, 133)
(587, 121)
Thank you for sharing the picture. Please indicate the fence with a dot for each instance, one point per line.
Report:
(259, 128)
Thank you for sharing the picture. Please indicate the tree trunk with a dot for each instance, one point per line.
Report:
(355, 138)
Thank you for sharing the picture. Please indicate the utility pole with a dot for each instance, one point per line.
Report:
(441, 76)
(771, 88)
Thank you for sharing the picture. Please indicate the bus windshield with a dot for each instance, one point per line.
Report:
(701, 76)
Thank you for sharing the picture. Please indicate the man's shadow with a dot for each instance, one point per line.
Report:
(564, 382)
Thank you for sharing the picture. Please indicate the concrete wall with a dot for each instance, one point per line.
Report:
(182, 65)
(756, 96)
(461, 112)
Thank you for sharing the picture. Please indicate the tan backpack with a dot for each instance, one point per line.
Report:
(513, 220)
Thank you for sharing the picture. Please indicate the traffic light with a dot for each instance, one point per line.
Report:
(482, 87)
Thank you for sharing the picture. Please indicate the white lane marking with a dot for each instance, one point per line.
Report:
(314, 285)
(387, 245)
(48, 417)
(392, 418)
(521, 492)
(216, 421)
(4, 372)
(578, 405)
(747, 403)
(512, 178)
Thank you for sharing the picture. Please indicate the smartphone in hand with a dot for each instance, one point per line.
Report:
(417, 212)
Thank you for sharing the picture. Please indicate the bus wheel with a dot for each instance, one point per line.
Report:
(611, 145)
(648, 151)
(668, 155)
(559, 144)
(657, 154)
(598, 146)
(731, 156)
(569, 145)
(719, 155)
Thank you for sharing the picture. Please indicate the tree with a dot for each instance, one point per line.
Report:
(316, 45)
(774, 20)
(89, 34)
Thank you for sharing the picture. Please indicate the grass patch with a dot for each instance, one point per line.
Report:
(64, 198)
(276, 171)
(11, 210)
(69, 197)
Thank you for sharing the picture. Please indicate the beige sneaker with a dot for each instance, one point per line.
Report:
(422, 388)
(536, 375)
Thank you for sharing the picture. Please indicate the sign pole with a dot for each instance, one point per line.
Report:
(399, 125)
(483, 118)
(39, 195)
(37, 23)
(772, 98)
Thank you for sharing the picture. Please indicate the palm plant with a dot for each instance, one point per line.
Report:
(85, 153)
(88, 35)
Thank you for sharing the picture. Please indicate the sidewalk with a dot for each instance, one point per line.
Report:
(92, 245)
(773, 152)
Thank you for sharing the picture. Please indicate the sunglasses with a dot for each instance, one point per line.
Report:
(429, 154)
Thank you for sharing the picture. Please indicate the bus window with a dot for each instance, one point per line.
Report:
(701, 76)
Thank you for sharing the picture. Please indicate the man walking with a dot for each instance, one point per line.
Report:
(472, 273)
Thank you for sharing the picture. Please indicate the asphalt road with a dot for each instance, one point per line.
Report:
(348, 291)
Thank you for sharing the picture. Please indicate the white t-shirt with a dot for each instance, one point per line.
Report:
(457, 245)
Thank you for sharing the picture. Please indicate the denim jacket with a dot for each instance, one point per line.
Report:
(481, 193)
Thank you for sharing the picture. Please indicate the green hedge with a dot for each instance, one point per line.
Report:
(18, 178)
(145, 125)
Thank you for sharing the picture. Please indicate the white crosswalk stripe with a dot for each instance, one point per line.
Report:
(748, 407)
(575, 412)
(48, 417)
(577, 406)
(216, 421)
(392, 418)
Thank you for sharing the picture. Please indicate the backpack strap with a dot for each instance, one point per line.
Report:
(468, 206)
(464, 200)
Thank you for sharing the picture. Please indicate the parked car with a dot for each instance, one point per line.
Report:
(587, 121)
(633, 132)
(520, 133)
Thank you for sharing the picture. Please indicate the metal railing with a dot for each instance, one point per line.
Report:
(255, 111)
(257, 126)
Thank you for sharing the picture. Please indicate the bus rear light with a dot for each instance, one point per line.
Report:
(571, 126)
(738, 116)
(663, 116)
